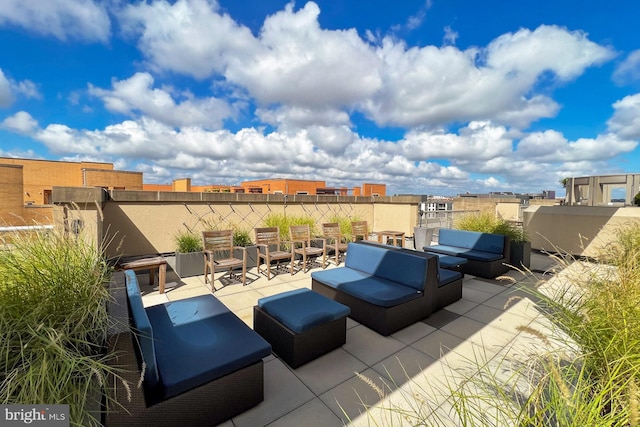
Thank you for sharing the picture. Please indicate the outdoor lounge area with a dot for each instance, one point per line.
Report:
(327, 391)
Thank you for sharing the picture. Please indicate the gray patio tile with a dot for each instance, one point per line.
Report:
(312, 414)
(413, 333)
(476, 295)
(437, 343)
(369, 346)
(329, 370)
(404, 365)
(463, 327)
(241, 300)
(500, 301)
(484, 313)
(187, 291)
(274, 289)
(440, 318)
(351, 323)
(490, 288)
(349, 399)
(461, 306)
(283, 392)
(502, 319)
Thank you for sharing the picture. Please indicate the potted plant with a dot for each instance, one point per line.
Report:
(189, 255)
(520, 254)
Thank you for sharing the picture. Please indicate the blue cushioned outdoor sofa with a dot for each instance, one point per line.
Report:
(386, 289)
(200, 363)
(487, 254)
(449, 288)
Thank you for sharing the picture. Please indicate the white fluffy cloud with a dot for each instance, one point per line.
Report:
(294, 69)
(435, 86)
(10, 89)
(6, 96)
(188, 36)
(626, 118)
(628, 71)
(300, 64)
(21, 123)
(302, 89)
(137, 94)
(64, 19)
(479, 141)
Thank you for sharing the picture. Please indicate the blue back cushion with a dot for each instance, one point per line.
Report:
(485, 242)
(143, 328)
(400, 267)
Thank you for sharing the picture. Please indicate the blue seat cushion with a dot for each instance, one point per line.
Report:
(392, 265)
(375, 290)
(198, 340)
(450, 260)
(483, 242)
(143, 328)
(447, 276)
(303, 309)
(466, 253)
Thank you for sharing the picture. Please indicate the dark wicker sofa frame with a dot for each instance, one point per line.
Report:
(387, 320)
(296, 349)
(207, 405)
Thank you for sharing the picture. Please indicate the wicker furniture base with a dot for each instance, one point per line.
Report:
(207, 405)
(383, 320)
(297, 349)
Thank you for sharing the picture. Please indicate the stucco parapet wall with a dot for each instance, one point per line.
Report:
(78, 195)
(177, 196)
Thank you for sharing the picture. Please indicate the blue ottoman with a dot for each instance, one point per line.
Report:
(301, 325)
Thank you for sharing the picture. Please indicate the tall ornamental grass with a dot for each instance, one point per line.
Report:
(285, 221)
(345, 225)
(585, 370)
(53, 324)
(489, 223)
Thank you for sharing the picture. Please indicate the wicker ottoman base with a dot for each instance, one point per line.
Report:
(297, 349)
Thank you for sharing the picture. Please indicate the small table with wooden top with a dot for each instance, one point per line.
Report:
(396, 235)
(150, 264)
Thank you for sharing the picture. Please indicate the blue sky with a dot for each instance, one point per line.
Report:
(431, 97)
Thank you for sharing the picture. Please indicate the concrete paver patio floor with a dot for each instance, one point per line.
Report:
(327, 392)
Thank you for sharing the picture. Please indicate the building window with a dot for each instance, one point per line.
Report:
(47, 197)
(302, 193)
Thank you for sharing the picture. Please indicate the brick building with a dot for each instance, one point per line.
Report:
(310, 187)
(26, 184)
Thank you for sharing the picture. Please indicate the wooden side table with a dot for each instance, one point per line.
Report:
(151, 264)
(396, 235)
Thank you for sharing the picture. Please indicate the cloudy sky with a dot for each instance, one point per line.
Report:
(430, 97)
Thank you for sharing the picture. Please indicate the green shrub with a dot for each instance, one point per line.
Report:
(241, 237)
(345, 224)
(636, 199)
(53, 323)
(488, 223)
(285, 221)
(188, 241)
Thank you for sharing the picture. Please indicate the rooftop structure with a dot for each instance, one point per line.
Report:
(599, 190)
